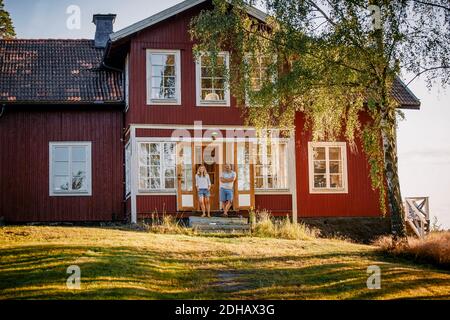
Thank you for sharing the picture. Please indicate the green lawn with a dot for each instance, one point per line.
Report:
(125, 264)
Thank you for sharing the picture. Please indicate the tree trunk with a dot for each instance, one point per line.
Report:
(396, 208)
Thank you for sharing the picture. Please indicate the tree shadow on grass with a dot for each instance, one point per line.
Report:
(39, 272)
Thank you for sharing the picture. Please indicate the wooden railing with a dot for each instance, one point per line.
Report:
(417, 215)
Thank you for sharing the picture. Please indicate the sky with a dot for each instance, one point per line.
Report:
(423, 137)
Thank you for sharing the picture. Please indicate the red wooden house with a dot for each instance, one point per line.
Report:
(114, 129)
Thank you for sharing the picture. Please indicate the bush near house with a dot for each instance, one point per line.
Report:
(265, 226)
(434, 248)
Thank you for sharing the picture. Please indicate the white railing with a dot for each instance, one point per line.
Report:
(417, 215)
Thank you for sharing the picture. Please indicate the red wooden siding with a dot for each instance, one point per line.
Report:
(171, 34)
(360, 200)
(24, 164)
(206, 133)
(277, 204)
(148, 204)
(154, 133)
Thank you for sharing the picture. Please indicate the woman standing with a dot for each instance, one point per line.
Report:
(203, 184)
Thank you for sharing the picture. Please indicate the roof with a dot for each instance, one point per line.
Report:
(165, 14)
(56, 71)
(405, 97)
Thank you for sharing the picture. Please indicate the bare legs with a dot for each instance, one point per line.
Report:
(226, 207)
(205, 206)
(202, 205)
(208, 206)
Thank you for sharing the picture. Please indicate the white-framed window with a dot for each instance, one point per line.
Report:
(127, 169)
(327, 167)
(157, 166)
(211, 85)
(70, 169)
(271, 165)
(127, 82)
(163, 77)
(258, 74)
(258, 71)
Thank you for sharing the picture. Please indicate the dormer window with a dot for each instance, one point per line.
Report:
(212, 88)
(163, 77)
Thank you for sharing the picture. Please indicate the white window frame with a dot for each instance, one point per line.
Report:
(127, 82)
(273, 78)
(198, 74)
(161, 168)
(71, 193)
(177, 100)
(327, 145)
(128, 151)
(274, 163)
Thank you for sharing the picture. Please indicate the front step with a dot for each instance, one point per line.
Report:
(222, 224)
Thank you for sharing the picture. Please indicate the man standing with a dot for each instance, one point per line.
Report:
(226, 188)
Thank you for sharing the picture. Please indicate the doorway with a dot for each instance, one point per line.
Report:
(209, 155)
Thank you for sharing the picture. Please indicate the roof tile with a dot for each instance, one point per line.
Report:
(56, 71)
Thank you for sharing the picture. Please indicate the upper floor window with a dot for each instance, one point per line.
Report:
(327, 167)
(212, 89)
(258, 72)
(163, 77)
(70, 169)
(258, 75)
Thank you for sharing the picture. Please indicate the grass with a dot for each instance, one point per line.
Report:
(434, 248)
(265, 226)
(167, 224)
(130, 264)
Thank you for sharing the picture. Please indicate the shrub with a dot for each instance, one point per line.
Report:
(167, 224)
(434, 248)
(265, 226)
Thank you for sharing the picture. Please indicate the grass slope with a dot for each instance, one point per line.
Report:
(123, 264)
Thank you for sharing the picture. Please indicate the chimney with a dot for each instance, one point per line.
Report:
(104, 27)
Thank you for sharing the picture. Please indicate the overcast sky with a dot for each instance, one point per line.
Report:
(423, 138)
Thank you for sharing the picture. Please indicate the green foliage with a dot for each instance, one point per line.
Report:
(327, 59)
(6, 25)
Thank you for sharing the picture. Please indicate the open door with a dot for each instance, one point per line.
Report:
(209, 154)
(244, 195)
(186, 200)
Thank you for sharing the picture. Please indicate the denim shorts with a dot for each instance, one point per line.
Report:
(226, 194)
(203, 193)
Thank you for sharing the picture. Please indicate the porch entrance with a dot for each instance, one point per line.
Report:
(208, 155)
(190, 155)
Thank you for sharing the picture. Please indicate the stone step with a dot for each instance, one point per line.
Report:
(217, 221)
(237, 227)
(223, 231)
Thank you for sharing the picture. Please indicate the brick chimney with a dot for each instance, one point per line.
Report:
(104, 27)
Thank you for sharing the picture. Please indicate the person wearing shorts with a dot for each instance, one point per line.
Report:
(203, 185)
(226, 188)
